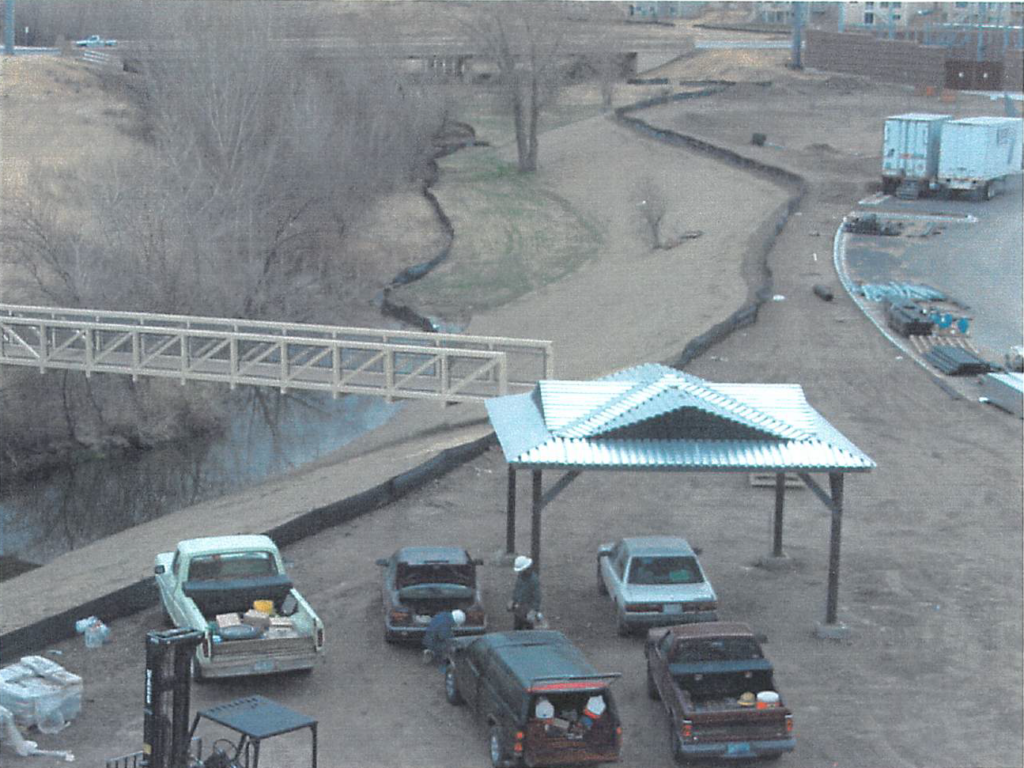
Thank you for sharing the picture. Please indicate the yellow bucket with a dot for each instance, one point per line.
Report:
(263, 606)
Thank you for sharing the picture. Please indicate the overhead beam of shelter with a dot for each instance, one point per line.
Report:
(652, 418)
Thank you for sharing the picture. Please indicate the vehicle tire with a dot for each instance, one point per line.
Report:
(674, 743)
(500, 757)
(652, 689)
(771, 758)
(197, 672)
(990, 190)
(602, 588)
(389, 637)
(620, 625)
(451, 687)
(168, 621)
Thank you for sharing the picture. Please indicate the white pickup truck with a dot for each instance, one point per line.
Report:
(234, 589)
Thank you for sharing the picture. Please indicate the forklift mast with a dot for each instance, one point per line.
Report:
(165, 728)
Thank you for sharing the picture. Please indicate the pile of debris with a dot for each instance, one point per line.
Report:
(871, 224)
(957, 361)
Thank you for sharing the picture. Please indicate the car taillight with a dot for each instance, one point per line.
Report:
(711, 605)
(319, 637)
(518, 746)
(475, 617)
(789, 723)
(400, 617)
(643, 608)
(686, 729)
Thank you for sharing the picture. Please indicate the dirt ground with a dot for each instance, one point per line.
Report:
(931, 584)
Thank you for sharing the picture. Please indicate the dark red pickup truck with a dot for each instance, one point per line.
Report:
(719, 692)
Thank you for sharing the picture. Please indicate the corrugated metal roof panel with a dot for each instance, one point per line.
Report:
(810, 456)
(569, 428)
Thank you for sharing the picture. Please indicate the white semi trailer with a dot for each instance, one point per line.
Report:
(978, 154)
(910, 152)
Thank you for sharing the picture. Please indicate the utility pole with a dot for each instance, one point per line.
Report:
(798, 24)
(9, 27)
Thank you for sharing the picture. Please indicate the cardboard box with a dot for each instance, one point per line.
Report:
(227, 620)
(256, 618)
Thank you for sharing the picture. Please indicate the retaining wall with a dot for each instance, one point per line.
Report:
(897, 61)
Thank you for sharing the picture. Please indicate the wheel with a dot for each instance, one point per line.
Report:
(451, 687)
(620, 625)
(168, 622)
(197, 672)
(602, 588)
(652, 689)
(771, 758)
(676, 745)
(499, 748)
(990, 190)
(389, 637)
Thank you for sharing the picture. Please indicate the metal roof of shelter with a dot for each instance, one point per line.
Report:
(652, 417)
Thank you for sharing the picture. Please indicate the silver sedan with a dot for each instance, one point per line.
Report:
(655, 581)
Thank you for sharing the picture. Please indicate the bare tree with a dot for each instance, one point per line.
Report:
(524, 41)
(224, 209)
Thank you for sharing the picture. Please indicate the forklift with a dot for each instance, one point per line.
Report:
(167, 739)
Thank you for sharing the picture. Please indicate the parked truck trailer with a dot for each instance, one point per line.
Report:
(978, 154)
(910, 153)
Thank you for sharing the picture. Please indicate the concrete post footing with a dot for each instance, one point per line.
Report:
(837, 631)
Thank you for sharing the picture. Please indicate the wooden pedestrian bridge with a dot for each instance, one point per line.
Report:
(394, 364)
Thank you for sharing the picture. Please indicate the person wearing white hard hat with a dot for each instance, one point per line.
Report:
(525, 594)
(440, 630)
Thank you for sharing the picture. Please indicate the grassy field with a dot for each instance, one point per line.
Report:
(512, 236)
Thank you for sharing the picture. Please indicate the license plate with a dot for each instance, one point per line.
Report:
(263, 666)
(673, 608)
(739, 748)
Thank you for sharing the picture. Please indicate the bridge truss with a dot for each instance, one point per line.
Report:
(393, 364)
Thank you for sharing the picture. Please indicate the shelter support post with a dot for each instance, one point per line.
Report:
(510, 514)
(835, 480)
(780, 500)
(535, 521)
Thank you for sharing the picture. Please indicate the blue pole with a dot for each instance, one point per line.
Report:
(9, 27)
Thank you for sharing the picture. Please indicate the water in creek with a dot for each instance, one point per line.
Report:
(268, 434)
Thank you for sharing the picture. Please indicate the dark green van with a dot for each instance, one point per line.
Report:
(543, 702)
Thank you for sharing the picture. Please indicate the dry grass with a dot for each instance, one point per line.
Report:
(57, 118)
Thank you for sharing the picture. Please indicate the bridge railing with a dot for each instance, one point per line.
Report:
(342, 360)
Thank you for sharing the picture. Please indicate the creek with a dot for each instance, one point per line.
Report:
(267, 434)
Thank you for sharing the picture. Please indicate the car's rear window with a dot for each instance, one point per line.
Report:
(435, 573)
(232, 565)
(664, 570)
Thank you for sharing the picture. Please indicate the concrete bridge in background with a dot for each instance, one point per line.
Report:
(394, 364)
